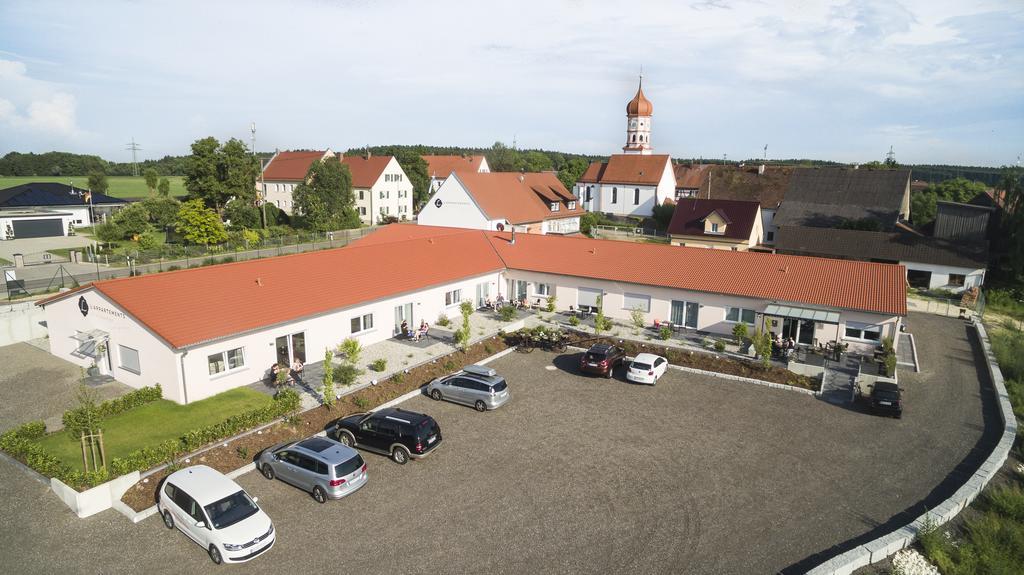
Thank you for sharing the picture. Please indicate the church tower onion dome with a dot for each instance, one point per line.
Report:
(639, 105)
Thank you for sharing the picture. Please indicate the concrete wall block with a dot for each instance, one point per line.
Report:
(826, 568)
(886, 545)
(852, 560)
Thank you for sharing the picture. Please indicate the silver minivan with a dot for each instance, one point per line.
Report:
(324, 467)
(478, 386)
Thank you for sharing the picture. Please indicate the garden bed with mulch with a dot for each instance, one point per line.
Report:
(245, 450)
(707, 361)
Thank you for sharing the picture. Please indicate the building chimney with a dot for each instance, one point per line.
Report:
(513, 242)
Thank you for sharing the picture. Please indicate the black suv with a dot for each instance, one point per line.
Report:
(886, 398)
(602, 359)
(395, 432)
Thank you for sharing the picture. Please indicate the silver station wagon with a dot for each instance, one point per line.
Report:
(477, 386)
(319, 465)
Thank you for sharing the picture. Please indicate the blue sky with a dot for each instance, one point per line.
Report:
(939, 81)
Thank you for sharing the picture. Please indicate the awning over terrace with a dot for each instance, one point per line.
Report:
(817, 315)
(87, 342)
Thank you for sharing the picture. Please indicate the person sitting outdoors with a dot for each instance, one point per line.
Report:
(296, 371)
(422, 331)
(404, 331)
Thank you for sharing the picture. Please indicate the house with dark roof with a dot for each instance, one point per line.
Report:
(720, 224)
(535, 203)
(284, 172)
(42, 209)
(381, 188)
(440, 167)
(862, 214)
(201, 331)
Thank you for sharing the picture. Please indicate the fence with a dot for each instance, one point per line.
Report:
(628, 233)
(175, 256)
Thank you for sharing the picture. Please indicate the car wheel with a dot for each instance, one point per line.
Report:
(168, 520)
(436, 395)
(319, 495)
(480, 406)
(400, 456)
(267, 471)
(215, 555)
(345, 438)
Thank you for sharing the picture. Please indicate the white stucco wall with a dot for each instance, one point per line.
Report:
(768, 225)
(66, 216)
(397, 200)
(279, 193)
(458, 209)
(940, 275)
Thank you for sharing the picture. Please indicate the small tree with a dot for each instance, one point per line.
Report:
(551, 303)
(133, 220)
(351, 349)
(199, 224)
(637, 316)
(462, 336)
(164, 188)
(108, 232)
(151, 179)
(328, 379)
(601, 323)
(98, 183)
(739, 331)
(762, 342)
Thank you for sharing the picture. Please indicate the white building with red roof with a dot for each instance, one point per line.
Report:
(440, 167)
(284, 172)
(381, 188)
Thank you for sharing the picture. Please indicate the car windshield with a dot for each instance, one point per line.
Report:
(882, 394)
(346, 467)
(500, 386)
(231, 510)
(638, 365)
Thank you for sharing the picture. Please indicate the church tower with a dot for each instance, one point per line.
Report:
(638, 123)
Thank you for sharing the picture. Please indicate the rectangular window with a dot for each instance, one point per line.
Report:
(957, 279)
(129, 359)
(453, 297)
(362, 210)
(738, 314)
(636, 197)
(360, 194)
(382, 195)
(542, 289)
(714, 228)
(554, 206)
(572, 205)
(362, 323)
(225, 361)
(615, 195)
(863, 331)
(636, 301)
(769, 236)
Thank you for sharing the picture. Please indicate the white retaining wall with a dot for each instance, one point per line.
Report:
(882, 547)
(99, 498)
(21, 322)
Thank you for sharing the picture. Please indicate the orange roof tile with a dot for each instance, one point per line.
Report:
(627, 169)
(365, 171)
(291, 166)
(442, 166)
(519, 197)
(690, 176)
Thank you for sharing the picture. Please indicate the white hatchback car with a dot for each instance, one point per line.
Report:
(216, 513)
(646, 368)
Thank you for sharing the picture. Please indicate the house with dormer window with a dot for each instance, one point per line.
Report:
(720, 224)
(535, 203)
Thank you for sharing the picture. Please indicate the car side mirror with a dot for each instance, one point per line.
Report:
(201, 524)
(255, 499)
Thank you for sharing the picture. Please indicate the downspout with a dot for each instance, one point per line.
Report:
(184, 387)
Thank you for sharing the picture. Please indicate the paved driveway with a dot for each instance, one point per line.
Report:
(585, 475)
(37, 385)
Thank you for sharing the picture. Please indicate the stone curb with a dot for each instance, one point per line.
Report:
(886, 545)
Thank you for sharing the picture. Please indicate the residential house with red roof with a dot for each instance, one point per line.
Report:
(381, 188)
(720, 224)
(201, 331)
(440, 167)
(535, 203)
(284, 172)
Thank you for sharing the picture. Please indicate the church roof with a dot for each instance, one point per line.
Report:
(640, 105)
(627, 169)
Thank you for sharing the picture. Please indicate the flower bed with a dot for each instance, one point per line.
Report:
(244, 450)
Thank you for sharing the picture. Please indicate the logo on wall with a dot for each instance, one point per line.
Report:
(438, 203)
(501, 227)
(83, 306)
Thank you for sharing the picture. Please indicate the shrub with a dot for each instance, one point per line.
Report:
(1007, 501)
(328, 380)
(443, 321)
(346, 374)
(449, 365)
(719, 346)
(242, 452)
(636, 315)
(398, 377)
(32, 430)
(488, 348)
(739, 331)
(574, 321)
(665, 332)
(507, 313)
(379, 364)
(361, 402)
(351, 350)
(551, 303)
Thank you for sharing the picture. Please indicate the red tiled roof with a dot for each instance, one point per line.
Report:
(843, 284)
(691, 177)
(519, 198)
(442, 166)
(189, 307)
(627, 169)
(365, 171)
(291, 166)
(688, 217)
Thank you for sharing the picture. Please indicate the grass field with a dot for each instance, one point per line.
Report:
(120, 186)
(150, 424)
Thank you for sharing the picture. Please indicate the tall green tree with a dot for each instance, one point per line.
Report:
(325, 200)
(162, 210)
(151, 179)
(163, 189)
(415, 168)
(239, 171)
(203, 174)
(572, 171)
(534, 161)
(502, 158)
(242, 215)
(199, 224)
(923, 208)
(98, 182)
(133, 220)
(956, 190)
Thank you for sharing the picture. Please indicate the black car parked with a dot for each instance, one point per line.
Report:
(395, 432)
(602, 359)
(886, 398)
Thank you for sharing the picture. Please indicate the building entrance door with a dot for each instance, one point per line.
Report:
(290, 348)
(403, 313)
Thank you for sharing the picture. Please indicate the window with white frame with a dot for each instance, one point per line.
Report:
(957, 279)
(542, 289)
(360, 194)
(714, 228)
(615, 195)
(554, 206)
(863, 331)
(129, 359)
(638, 301)
(452, 297)
(739, 314)
(572, 205)
(362, 210)
(636, 197)
(226, 361)
(362, 323)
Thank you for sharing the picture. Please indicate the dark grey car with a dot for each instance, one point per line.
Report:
(319, 465)
(477, 386)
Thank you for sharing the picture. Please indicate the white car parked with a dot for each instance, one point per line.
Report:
(646, 368)
(216, 513)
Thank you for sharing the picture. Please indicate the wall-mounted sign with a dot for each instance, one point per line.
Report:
(501, 227)
(438, 203)
(83, 306)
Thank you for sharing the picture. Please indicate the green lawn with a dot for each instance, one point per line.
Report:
(154, 423)
(120, 186)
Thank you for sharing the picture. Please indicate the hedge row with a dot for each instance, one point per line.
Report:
(286, 401)
(21, 444)
(76, 420)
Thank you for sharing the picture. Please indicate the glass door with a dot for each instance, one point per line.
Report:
(483, 293)
(290, 348)
(403, 313)
(685, 313)
(806, 334)
(678, 311)
(692, 310)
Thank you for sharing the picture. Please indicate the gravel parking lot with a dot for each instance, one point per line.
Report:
(586, 475)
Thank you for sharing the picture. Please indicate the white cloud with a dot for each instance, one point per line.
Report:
(33, 106)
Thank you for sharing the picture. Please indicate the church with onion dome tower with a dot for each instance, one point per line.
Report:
(633, 182)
